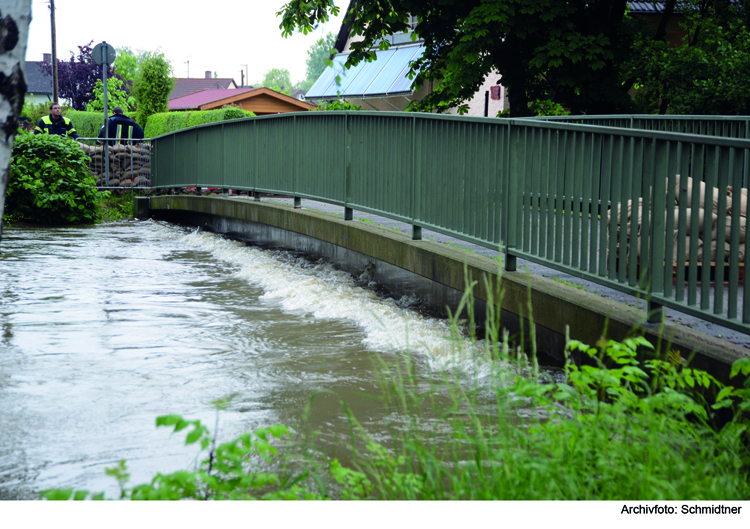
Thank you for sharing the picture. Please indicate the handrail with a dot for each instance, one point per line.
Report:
(548, 191)
(724, 126)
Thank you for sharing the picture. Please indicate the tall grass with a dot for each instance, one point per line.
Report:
(622, 425)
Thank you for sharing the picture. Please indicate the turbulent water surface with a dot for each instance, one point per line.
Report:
(103, 328)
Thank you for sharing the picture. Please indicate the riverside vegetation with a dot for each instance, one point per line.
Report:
(628, 423)
(50, 183)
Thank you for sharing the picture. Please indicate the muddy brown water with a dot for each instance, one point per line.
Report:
(103, 328)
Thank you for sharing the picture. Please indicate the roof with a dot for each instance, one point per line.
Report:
(184, 86)
(343, 35)
(646, 7)
(386, 76)
(255, 99)
(204, 97)
(37, 82)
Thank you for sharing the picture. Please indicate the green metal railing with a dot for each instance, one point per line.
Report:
(543, 189)
(722, 126)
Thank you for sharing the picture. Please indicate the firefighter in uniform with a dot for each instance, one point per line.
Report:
(121, 127)
(55, 123)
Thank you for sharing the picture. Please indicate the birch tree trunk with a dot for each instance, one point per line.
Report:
(15, 16)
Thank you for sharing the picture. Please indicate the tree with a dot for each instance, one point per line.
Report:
(317, 58)
(549, 47)
(576, 53)
(152, 85)
(708, 73)
(278, 79)
(117, 96)
(126, 64)
(14, 28)
(77, 77)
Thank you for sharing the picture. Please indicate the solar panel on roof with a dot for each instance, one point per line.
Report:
(384, 76)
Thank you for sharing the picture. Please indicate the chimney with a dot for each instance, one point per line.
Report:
(208, 74)
(47, 57)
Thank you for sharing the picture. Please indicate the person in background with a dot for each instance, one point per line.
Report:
(121, 128)
(55, 123)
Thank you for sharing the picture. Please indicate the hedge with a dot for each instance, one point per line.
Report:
(87, 124)
(165, 122)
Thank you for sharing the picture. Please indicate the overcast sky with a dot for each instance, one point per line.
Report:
(221, 36)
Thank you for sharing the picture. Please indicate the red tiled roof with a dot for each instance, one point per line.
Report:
(204, 96)
(184, 86)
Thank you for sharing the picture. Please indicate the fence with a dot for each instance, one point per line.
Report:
(119, 165)
(722, 126)
(611, 205)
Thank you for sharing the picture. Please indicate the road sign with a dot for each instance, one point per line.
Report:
(103, 54)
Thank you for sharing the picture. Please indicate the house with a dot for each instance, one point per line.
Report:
(383, 83)
(38, 83)
(261, 101)
(184, 86)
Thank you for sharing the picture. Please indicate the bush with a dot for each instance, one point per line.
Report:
(34, 112)
(152, 84)
(166, 122)
(339, 104)
(87, 124)
(49, 182)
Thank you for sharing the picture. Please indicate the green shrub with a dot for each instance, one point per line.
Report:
(87, 124)
(34, 112)
(166, 122)
(50, 183)
(339, 104)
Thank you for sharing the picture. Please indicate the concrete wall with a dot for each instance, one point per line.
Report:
(437, 274)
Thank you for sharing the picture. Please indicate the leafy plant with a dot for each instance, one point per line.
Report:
(166, 122)
(339, 104)
(77, 76)
(117, 96)
(152, 85)
(49, 182)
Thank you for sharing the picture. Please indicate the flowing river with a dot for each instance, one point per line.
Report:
(103, 328)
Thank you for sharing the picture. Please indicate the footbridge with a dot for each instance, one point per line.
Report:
(651, 206)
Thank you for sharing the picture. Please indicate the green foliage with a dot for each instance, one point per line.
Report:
(550, 49)
(278, 80)
(86, 123)
(317, 58)
(50, 183)
(540, 108)
(585, 56)
(116, 207)
(117, 96)
(339, 104)
(127, 63)
(165, 122)
(152, 85)
(35, 112)
(706, 76)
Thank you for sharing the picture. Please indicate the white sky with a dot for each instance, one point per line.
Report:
(221, 36)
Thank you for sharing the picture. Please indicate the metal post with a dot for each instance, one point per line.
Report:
(655, 312)
(297, 203)
(416, 232)
(348, 213)
(55, 85)
(106, 129)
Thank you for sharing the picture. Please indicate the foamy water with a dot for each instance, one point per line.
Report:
(318, 289)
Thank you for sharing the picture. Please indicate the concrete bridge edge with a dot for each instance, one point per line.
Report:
(437, 274)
